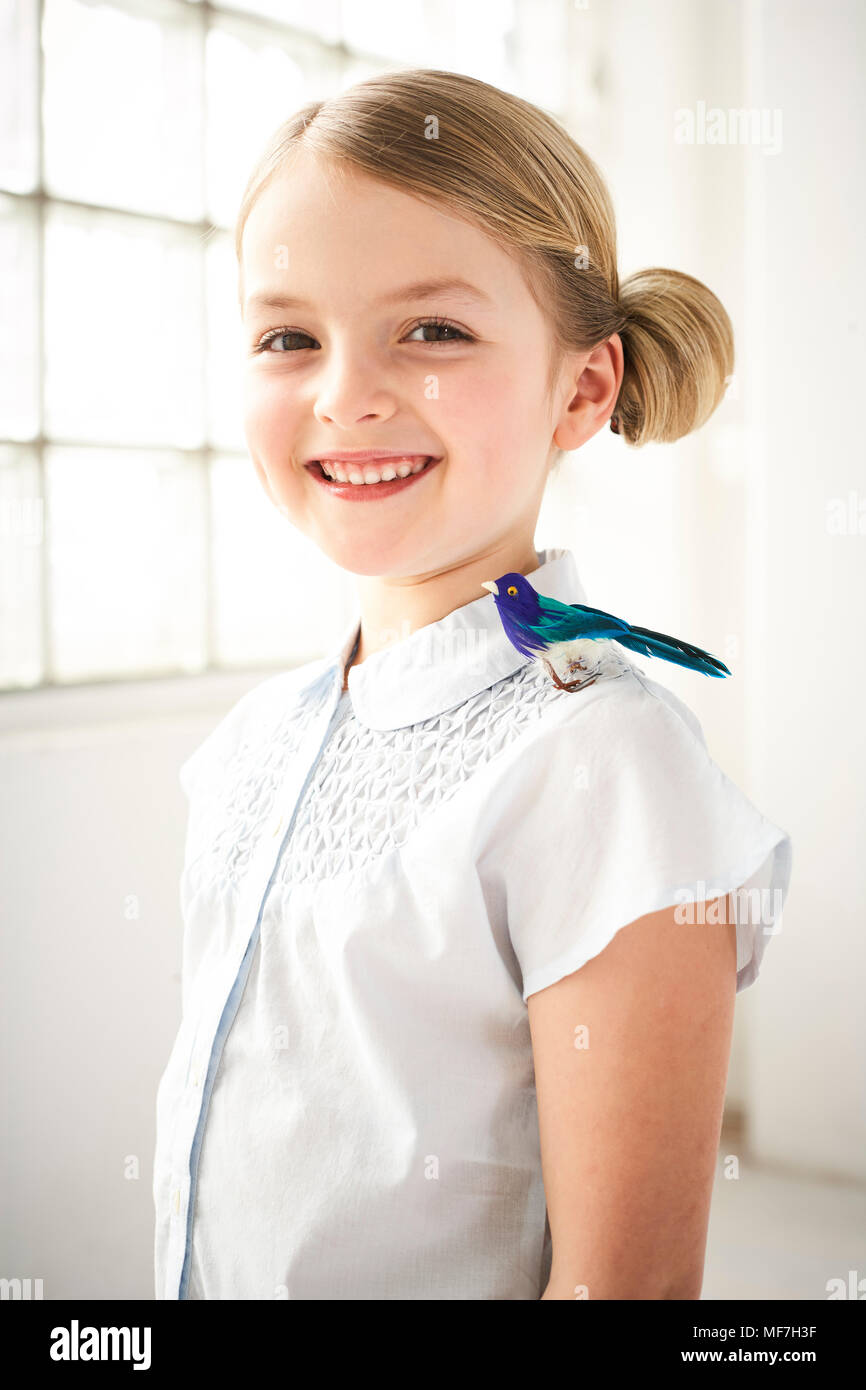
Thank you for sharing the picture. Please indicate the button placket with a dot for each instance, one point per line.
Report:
(249, 905)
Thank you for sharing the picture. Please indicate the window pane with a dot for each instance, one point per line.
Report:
(224, 343)
(19, 102)
(256, 78)
(127, 562)
(322, 19)
(19, 319)
(21, 532)
(123, 329)
(123, 105)
(274, 591)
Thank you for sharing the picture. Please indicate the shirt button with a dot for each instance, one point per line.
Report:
(176, 1199)
(195, 1078)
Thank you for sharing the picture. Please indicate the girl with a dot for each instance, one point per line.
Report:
(461, 948)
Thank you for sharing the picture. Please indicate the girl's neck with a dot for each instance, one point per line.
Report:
(455, 589)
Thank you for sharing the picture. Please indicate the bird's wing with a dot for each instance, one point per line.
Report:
(558, 622)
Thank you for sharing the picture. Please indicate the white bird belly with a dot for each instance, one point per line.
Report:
(583, 657)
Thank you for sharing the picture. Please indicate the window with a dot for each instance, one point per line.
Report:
(136, 539)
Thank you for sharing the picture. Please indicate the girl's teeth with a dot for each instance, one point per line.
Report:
(337, 471)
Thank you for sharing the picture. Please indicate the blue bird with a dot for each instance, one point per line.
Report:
(546, 629)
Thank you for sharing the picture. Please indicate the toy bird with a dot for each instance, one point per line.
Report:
(582, 637)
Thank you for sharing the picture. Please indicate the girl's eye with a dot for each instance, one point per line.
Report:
(442, 323)
(276, 334)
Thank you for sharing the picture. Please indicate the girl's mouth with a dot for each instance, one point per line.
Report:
(370, 492)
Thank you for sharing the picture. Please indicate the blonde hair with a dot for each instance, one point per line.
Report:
(507, 166)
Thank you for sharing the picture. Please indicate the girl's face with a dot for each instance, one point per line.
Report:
(353, 368)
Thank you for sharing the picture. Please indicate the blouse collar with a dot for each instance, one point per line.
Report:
(444, 663)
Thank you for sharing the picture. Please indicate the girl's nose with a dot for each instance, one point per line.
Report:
(353, 390)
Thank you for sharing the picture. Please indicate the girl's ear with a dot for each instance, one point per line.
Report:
(590, 393)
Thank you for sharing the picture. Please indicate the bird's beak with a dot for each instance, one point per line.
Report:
(491, 585)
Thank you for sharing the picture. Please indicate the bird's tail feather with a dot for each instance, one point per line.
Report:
(648, 643)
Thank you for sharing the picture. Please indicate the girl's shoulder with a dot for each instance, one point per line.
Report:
(625, 711)
(613, 808)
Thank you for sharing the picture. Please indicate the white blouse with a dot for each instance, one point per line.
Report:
(374, 883)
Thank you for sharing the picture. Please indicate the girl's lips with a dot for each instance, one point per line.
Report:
(369, 492)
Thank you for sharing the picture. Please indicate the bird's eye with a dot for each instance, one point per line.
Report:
(511, 590)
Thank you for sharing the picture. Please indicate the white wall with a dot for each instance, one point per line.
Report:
(807, 596)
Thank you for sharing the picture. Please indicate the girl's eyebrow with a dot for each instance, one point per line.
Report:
(421, 289)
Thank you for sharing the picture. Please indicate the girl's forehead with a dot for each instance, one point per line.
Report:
(305, 188)
(375, 245)
(319, 208)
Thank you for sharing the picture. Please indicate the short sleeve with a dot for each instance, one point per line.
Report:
(191, 771)
(202, 768)
(202, 775)
(204, 764)
(616, 810)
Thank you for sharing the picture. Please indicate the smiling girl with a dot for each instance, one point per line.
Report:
(461, 948)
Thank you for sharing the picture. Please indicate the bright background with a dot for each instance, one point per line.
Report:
(146, 582)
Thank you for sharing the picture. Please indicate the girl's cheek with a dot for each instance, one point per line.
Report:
(270, 487)
(252, 404)
(487, 396)
(269, 412)
(463, 408)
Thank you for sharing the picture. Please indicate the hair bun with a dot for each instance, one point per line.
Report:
(678, 349)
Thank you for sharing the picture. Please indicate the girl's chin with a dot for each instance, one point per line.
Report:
(370, 563)
(375, 556)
